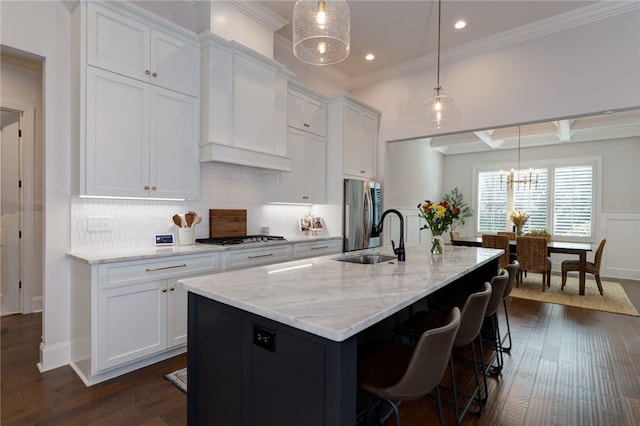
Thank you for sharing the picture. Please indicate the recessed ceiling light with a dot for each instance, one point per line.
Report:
(460, 25)
(370, 57)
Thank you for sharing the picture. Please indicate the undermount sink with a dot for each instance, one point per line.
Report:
(367, 258)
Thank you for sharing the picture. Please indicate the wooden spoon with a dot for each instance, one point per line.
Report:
(189, 218)
(177, 220)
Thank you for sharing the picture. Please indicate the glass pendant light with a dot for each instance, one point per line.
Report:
(321, 31)
(440, 106)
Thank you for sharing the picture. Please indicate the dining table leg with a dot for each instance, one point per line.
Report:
(583, 271)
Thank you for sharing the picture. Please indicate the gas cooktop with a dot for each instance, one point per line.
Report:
(223, 241)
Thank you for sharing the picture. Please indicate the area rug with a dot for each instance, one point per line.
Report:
(614, 300)
(178, 378)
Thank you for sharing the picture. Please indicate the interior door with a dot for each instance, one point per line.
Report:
(11, 213)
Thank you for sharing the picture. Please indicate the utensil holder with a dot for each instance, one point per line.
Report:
(185, 236)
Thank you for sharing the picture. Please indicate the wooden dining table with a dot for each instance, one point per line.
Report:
(563, 247)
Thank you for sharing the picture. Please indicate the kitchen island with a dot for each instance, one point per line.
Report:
(278, 344)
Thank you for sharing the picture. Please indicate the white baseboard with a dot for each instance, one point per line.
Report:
(53, 356)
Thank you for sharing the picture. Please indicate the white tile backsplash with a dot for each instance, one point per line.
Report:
(133, 223)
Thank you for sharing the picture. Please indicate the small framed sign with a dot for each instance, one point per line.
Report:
(164, 239)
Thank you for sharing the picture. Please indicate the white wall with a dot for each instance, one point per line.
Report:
(43, 29)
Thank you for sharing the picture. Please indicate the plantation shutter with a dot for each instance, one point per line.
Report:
(492, 202)
(533, 200)
(573, 201)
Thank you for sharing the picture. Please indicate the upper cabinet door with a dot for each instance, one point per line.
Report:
(175, 63)
(132, 47)
(306, 113)
(118, 43)
(173, 162)
(116, 161)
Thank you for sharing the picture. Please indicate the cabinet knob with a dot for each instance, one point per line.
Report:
(147, 72)
(305, 197)
(306, 125)
(164, 290)
(363, 171)
(146, 187)
(153, 188)
(172, 288)
(155, 74)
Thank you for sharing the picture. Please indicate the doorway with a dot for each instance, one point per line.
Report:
(21, 186)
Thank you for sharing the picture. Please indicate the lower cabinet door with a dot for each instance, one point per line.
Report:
(177, 311)
(132, 323)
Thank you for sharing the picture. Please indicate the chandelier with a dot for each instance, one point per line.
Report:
(321, 31)
(439, 106)
(515, 178)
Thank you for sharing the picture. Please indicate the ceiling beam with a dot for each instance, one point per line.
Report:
(485, 136)
(564, 129)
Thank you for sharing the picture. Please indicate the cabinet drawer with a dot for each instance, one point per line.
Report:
(128, 272)
(316, 248)
(253, 257)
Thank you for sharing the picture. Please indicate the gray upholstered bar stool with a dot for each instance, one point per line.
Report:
(398, 372)
(492, 328)
(472, 315)
(512, 269)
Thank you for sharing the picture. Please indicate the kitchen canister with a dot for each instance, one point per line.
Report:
(185, 236)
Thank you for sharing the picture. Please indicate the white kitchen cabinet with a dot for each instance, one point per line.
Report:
(132, 45)
(137, 135)
(247, 258)
(355, 125)
(316, 248)
(244, 106)
(306, 183)
(128, 314)
(306, 112)
(140, 139)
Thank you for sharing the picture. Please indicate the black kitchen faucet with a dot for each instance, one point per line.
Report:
(400, 250)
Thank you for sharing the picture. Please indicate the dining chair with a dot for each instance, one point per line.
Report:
(532, 255)
(511, 235)
(499, 242)
(539, 235)
(399, 372)
(592, 268)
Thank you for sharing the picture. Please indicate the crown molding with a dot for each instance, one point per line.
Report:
(258, 13)
(585, 15)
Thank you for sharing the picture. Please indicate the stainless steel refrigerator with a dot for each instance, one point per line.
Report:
(362, 209)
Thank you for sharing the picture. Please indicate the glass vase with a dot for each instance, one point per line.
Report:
(437, 243)
(519, 230)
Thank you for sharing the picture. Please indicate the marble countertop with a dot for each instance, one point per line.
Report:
(118, 255)
(337, 300)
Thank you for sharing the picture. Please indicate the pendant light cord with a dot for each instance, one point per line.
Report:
(439, 20)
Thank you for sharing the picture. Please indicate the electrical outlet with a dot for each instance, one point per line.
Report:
(98, 223)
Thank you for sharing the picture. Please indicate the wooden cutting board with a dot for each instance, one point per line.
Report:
(227, 223)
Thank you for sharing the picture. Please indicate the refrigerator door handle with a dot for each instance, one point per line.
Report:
(368, 214)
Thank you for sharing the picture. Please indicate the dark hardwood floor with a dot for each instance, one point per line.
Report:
(568, 366)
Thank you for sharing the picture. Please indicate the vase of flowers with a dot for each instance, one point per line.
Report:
(439, 217)
(519, 218)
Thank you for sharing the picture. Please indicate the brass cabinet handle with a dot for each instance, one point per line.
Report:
(166, 267)
(261, 255)
(153, 188)
(164, 290)
(305, 197)
(306, 125)
(319, 248)
(172, 288)
(155, 74)
(146, 187)
(147, 72)
(363, 171)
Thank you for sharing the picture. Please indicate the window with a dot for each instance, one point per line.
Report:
(573, 198)
(561, 202)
